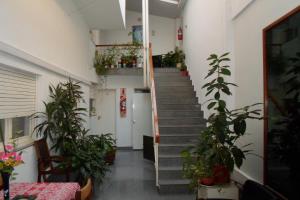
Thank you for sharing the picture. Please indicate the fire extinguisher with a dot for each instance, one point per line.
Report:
(123, 102)
(180, 34)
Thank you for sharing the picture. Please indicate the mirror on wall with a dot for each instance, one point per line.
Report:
(282, 105)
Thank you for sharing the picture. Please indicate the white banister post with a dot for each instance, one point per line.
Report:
(146, 42)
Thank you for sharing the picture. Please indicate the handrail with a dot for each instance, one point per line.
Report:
(153, 97)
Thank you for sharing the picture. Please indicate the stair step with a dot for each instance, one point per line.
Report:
(179, 113)
(173, 83)
(176, 100)
(170, 160)
(170, 173)
(195, 107)
(163, 89)
(180, 186)
(171, 79)
(165, 74)
(177, 139)
(181, 121)
(170, 94)
(173, 149)
(166, 70)
(181, 129)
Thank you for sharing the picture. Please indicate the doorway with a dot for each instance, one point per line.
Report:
(141, 117)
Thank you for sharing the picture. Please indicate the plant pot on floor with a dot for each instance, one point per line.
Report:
(178, 65)
(5, 179)
(208, 181)
(221, 175)
(110, 157)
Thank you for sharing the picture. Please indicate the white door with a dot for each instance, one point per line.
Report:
(105, 119)
(141, 118)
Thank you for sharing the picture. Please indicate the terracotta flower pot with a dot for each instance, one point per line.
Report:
(110, 157)
(209, 181)
(184, 73)
(221, 174)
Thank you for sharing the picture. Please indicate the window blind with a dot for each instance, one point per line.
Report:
(17, 93)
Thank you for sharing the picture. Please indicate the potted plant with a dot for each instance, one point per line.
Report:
(217, 150)
(168, 60)
(178, 57)
(108, 144)
(183, 70)
(9, 159)
(100, 63)
(132, 54)
(62, 122)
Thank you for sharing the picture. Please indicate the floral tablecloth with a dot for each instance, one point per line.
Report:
(44, 191)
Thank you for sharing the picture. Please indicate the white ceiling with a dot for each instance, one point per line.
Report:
(156, 7)
(101, 14)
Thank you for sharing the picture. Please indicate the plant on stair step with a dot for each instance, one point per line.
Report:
(217, 151)
(174, 58)
(183, 70)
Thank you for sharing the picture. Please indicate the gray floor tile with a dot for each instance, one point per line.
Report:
(132, 178)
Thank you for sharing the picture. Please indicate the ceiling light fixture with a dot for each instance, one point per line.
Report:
(170, 1)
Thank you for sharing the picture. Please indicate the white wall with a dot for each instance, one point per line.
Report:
(45, 38)
(204, 34)
(49, 30)
(162, 32)
(209, 27)
(28, 171)
(248, 45)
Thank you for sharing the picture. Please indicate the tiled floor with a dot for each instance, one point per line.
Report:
(132, 178)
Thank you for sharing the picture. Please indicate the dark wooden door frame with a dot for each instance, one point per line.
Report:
(265, 73)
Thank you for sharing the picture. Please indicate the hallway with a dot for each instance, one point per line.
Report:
(133, 178)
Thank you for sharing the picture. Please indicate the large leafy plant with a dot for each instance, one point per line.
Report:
(62, 122)
(173, 57)
(217, 144)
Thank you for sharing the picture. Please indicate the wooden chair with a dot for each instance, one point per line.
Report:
(1, 183)
(85, 193)
(46, 169)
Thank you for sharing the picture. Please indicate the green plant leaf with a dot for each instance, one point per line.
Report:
(238, 155)
(222, 103)
(224, 59)
(217, 95)
(212, 56)
(225, 54)
(239, 126)
(220, 80)
(208, 93)
(225, 71)
(212, 104)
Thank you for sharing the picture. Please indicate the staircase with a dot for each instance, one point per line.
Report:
(180, 122)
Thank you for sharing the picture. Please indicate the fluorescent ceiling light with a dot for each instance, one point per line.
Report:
(170, 1)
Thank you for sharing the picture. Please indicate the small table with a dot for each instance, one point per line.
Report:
(44, 191)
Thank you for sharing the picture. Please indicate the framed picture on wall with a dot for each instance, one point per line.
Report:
(137, 34)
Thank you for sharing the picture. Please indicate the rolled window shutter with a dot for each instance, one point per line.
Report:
(17, 93)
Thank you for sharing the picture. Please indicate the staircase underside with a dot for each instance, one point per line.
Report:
(180, 122)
